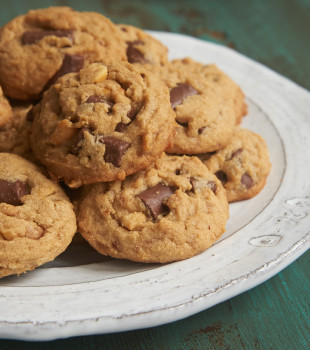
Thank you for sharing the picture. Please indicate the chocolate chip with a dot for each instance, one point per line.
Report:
(180, 92)
(114, 149)
(70, 64)
(154, 197)
(247, 181)
(131, 114)
(221, 176)
(31, 37)
(100, 99)
(120, 127)
(200, 130)
(237, 152)
(212, 186)
(12, 192)
(77, 144)
(133, 54)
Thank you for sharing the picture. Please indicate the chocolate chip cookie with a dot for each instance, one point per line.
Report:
(220, 82)
(5, 109)
(173, 210)
(37, 221)
(40, 46)
(142, 47)
(14, 134)
(242, 166)
(207, 105)
(102, 124)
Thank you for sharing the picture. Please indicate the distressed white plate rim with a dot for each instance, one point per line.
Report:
(74, 296)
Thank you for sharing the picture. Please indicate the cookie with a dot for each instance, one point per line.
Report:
(37, 221)
(102, 124)
(206, 104)
(242, 166)
(5, 109)
(219, 81)
(38, 47)
(170, 211)
(142, 47)
(14, 135)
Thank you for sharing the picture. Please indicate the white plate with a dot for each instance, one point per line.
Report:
(82, 293)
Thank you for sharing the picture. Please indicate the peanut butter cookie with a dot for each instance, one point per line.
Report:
(14, 134)
(171, 211)
(102, 124)
(37, 221)
(5, 109)
(40, 46)
(242, 166)
(207, 103)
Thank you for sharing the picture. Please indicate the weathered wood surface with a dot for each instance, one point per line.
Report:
(274, 315)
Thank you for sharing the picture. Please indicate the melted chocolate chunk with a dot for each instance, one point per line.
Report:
(236, 153)
(247, 181)
(70, 64)
(120, 127)
(12, 192)
(31, 37)
(132, 114)
(77, 144)
(221, 176)
(134, 55)
(114, 149)
(100, 99)
(179, 93)
(154, 197)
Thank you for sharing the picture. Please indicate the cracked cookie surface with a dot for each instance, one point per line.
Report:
(171, 211)
(242, 166)
(102, 124)
(207, 103)
(37, 221)
(38, 47)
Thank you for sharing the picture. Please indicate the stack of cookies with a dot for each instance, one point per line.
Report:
(154, 147)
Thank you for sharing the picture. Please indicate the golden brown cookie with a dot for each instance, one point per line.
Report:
(171, 211)
(38, 47)
(37, 221)
(142, 47)
(5, 109)
(242, 166)
(102, 124)
(220, 82)
(207, 105)
(14, 134)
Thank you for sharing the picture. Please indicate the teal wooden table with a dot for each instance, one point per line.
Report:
(274, 315)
